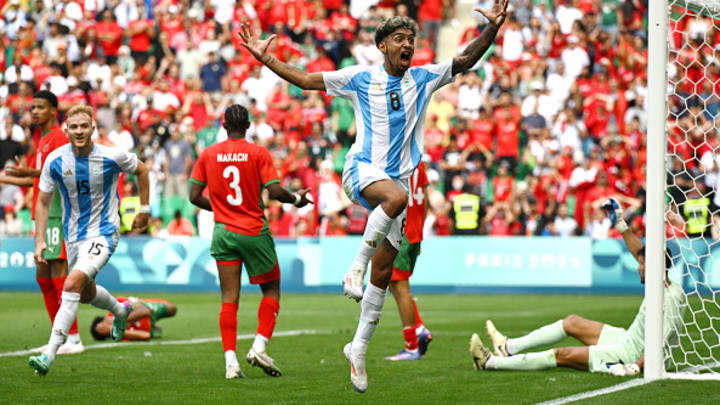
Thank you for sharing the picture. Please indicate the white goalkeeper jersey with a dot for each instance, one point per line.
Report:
(88, 186)
(674, 308)
(389, 112)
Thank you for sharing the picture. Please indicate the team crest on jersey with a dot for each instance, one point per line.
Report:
(377, 87)
(68, 173)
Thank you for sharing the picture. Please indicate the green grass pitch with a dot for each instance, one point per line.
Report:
(315, 371)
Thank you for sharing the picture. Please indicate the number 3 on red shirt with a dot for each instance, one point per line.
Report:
(234, 184)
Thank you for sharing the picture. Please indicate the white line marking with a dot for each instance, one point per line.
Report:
(602, 391)
(175, 342)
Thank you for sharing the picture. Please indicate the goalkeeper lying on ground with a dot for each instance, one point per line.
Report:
(607, 349)
(142, 321)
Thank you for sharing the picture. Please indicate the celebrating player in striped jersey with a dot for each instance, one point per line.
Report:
(235, 172)
(87, 176)
(50, 276)
(390, 101)
(607, 349)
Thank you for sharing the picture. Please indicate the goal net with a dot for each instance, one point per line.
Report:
(692, 190)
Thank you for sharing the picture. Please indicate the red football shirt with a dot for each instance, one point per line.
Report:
(416, 205)
(54, 139)
(235, 172)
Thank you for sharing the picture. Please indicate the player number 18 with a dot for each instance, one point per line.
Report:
(234, 184)
(53, 235)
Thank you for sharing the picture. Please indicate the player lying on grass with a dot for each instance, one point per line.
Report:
(142, 321)
(87, 176)
(607, 349)
(235, 173)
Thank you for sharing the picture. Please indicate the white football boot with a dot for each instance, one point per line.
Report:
(71, 348)
(233, 371)
(479, 352)
(265, 362)
(498, 341)
(353, 283)
(358, 375)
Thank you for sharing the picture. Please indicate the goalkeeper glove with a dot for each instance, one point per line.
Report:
(615, 213)
(623, 370)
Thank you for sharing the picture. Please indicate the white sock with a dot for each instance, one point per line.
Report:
(527, 361)
(545, 336)
(104, 300)
(420, 329)
(74, 338)
(231, 359)
(372, 304)
(63, 320)
(377, 228)
(260, 343)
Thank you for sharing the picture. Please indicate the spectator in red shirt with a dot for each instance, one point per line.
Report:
(430, 17)
(109, 35)
(140, 32)
(180, 226)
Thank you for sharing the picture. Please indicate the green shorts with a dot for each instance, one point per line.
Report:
(54, 240)
(608, 350)
(158, 310)
(256, 252)
(404, 263)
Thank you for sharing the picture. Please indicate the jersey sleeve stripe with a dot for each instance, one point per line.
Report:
(196, 181)
(271, 182)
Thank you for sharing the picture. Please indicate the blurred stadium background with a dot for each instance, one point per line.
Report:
(551, 122)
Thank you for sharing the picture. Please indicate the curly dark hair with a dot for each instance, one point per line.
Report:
(93, 329)
(237, 117)
(392, 24)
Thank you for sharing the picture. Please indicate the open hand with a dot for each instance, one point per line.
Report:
(258, 47)
(39, 248)
(496, 15)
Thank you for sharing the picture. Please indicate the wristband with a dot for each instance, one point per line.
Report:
(144, 209)
(297, 199)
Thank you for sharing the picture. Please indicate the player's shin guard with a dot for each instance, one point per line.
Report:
(372, 304)
(377, 228)
(267, 316)
(50, 296)
(63, 319)
(544, 336)
(58, 284)
(411, 340)
(527, 361)
(228, 325)
(104, 300)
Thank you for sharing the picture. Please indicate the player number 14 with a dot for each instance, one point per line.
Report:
(234, 184)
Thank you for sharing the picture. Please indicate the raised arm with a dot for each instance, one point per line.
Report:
(18, 181)
(477, 48)
(258, 48)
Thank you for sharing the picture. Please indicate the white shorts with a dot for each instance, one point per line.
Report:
(90, 255)
(358, 175)
(608, 350)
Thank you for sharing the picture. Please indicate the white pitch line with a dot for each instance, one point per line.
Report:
(602, 391)
(174, 342)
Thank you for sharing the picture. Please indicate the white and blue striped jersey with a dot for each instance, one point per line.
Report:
(389, 112)
(88, 186)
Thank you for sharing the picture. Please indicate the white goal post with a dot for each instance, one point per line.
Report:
(679, 107)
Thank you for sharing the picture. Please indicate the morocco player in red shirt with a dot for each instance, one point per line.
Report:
(235, 173)
(50, 276)
(416, 335)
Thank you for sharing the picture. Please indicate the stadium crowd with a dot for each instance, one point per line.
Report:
(550, 124)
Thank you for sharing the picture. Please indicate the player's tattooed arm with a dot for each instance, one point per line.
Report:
(477, 48)
(258, 48)
(197, 198)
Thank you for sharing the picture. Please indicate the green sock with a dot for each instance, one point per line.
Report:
(545, 336)
(526, 361)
